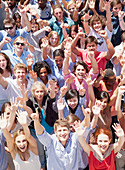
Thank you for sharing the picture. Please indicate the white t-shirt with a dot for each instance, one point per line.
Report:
(102, 46)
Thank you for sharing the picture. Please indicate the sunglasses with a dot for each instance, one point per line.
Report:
(6, 28)
(18, 43)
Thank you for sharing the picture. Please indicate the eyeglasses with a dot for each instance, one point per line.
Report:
(18, 43)
(6, 28)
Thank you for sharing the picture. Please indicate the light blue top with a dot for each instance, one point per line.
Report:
(55, 71)
(78, 111)
(68, 158)
(20, 32)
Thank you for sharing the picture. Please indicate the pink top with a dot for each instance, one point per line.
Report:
(77, 85)
(100, 58)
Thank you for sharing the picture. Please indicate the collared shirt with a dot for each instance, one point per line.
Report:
(69, 157)
(14, 59)
(55, 26)
(55, 71)
(20, 32)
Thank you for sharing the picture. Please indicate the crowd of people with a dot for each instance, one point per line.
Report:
(62, 77)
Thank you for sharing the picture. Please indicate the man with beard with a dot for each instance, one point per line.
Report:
(91, 49)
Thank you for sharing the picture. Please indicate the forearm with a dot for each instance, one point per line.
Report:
(101, 6)
(118, 106)
(111, 49)
(84, 145)
(119, 144)
(86, 27)
(94, 121)
(60, 114)
(27, 22)
(109, 21)
(94, 65)
(122, 24)
(26, 131)
(28, 110)
(91, 96)
(44, 53)
(3, 82)
(38, 127)
(66, 66)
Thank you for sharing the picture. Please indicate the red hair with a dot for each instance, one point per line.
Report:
(103, 131)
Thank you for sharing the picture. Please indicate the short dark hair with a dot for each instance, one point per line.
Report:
(109, 73)
(80, 63)
(116, 2)
(58, 52)
(103, 94)
(90, 39)
(71, 93)
(37, 67)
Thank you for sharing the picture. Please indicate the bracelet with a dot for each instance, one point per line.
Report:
(29, 45)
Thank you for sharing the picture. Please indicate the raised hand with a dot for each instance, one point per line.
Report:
(33, 75)
(61, 104)
(47, 28)
(22, 117)
(103, 34)
(63, 90)
(6, 39)
(45, 42)
(96, 110)
(3, 121)
(88, 80)
(91, 4)
(121, 14)
(14, 104)
(118, 130)
(78, 128)
(102, 72)
(121, 90)
(86, 17)
(35, 116)
(51, 85)
(91, 54)
(29, 60)
(82, 90)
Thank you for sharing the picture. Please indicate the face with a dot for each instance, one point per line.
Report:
(71, 9)
(80, 72)
(97, 26)
(20, 74)
(73, 102)
(111, 81)
(10, 3)
(7, 112)
(91, 47)
(116, 9)
(39, 93)
(102, 103)
(62, 134)
(53, 40)
(21, 142)
(73, 34)
(103, 142)
(18, 22)
(3, 62)
(35, 27)
(19, 45)
(43, 74)
(59, 61)
(10, 29)
(58, 13)
(42, 3)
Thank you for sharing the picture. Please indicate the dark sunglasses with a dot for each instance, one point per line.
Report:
(6, 28)
(18, 43)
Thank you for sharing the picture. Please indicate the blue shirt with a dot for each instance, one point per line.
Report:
(55, 71)
(69, 157)
(14, 59)
(20, 32)
(3, 158)
(55, 26)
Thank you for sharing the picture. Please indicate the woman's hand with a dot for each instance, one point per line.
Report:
(78, 128)
(61, 104)
(3, 121)
(35, 116)
(22, 117)
(118, 130)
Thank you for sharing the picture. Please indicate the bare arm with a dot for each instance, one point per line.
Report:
(3, 82)
(108, 16)
(121, 21)
(66, 65)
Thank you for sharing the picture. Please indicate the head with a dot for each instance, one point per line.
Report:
(71, 118)
(98, 22)
(116, 6)
(20, 142)
(6, 109)
(38, 90)
(19, 44)
(42, 69)
(109, 78)
(103, 99)
(71, 6)
(72, 98)
(73, 30)
(61, 129)
(53, 38)
(20, 71)
(58, 55)
(103, 138)
(5, 63)
(9, 26)
(80, 69)
(42, 3)
(58, 12)
(11, 3)
(35, 25)
(17, 19)
(56, 85)
(91, 43)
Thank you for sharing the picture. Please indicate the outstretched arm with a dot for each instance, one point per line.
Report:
(121, 15)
